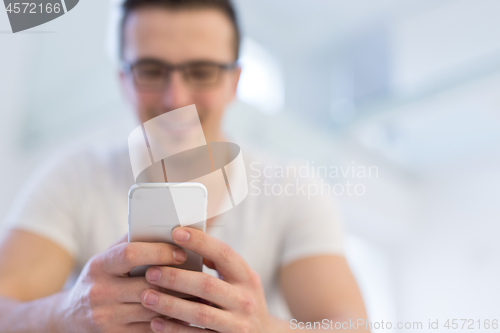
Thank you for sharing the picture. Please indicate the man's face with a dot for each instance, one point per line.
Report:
(178, 37)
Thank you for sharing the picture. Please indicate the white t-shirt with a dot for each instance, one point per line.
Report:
(80, 202)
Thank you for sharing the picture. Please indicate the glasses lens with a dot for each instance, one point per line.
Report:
(150, 75)
(202, 74)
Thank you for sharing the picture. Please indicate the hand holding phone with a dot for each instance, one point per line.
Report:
(155, 209)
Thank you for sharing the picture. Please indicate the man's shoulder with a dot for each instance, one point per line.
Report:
(87, 162)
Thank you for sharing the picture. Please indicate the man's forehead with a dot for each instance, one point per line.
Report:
(178, 36)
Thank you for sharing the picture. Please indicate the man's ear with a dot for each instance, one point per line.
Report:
(124, 84)
(236, 79)
(122, 78)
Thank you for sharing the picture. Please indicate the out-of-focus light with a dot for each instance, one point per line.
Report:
(261, 83)
(113, 31)
(342, 111)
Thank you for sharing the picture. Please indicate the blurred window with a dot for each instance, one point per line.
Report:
(261, 83)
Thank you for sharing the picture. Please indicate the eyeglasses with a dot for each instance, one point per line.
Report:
(155, 75)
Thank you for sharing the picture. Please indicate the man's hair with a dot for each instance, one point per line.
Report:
(224, 6)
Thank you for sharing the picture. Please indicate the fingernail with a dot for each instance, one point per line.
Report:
(158, 324)
(153, 274)
(181, 235)
(151, 298)
(180, 255)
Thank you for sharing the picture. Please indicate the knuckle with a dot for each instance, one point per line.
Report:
(171, 276)
(167, 305)
(95, 295)
(203, 316)
(129, 253)
(94, 266)
(248, 305)
(160, 254)
(198, 238)
(198, 241)
(226, 253)
(209, 285)
(164, 254)
(99, 317)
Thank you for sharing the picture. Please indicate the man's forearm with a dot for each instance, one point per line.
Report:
(34, 316)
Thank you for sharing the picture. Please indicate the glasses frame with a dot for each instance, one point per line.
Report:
(128, 68)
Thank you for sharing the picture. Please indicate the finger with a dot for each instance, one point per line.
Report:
(171, 325)
(124, 257)
(227, 261)
(209, 263)
(195, 313)
(138, 328)
(197, 284)
(129, 289)
(133, 313)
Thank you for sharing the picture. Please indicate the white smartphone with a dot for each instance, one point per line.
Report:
(155, 209)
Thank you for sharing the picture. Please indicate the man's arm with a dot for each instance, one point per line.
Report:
(32, 316)
(322, 287)
(32, 266)
(103, 299)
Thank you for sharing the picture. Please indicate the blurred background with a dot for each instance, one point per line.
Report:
(411, 87)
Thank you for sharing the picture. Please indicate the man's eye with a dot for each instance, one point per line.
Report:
(202, 73)
(151, 73)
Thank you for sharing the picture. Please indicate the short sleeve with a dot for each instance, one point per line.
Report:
(313, 225)
(46, 205)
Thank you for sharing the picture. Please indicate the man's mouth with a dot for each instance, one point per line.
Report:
(179, 127)
(177, 124)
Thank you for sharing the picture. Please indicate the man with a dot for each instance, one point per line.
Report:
(270, 250)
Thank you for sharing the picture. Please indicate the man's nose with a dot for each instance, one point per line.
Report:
(177, 93)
